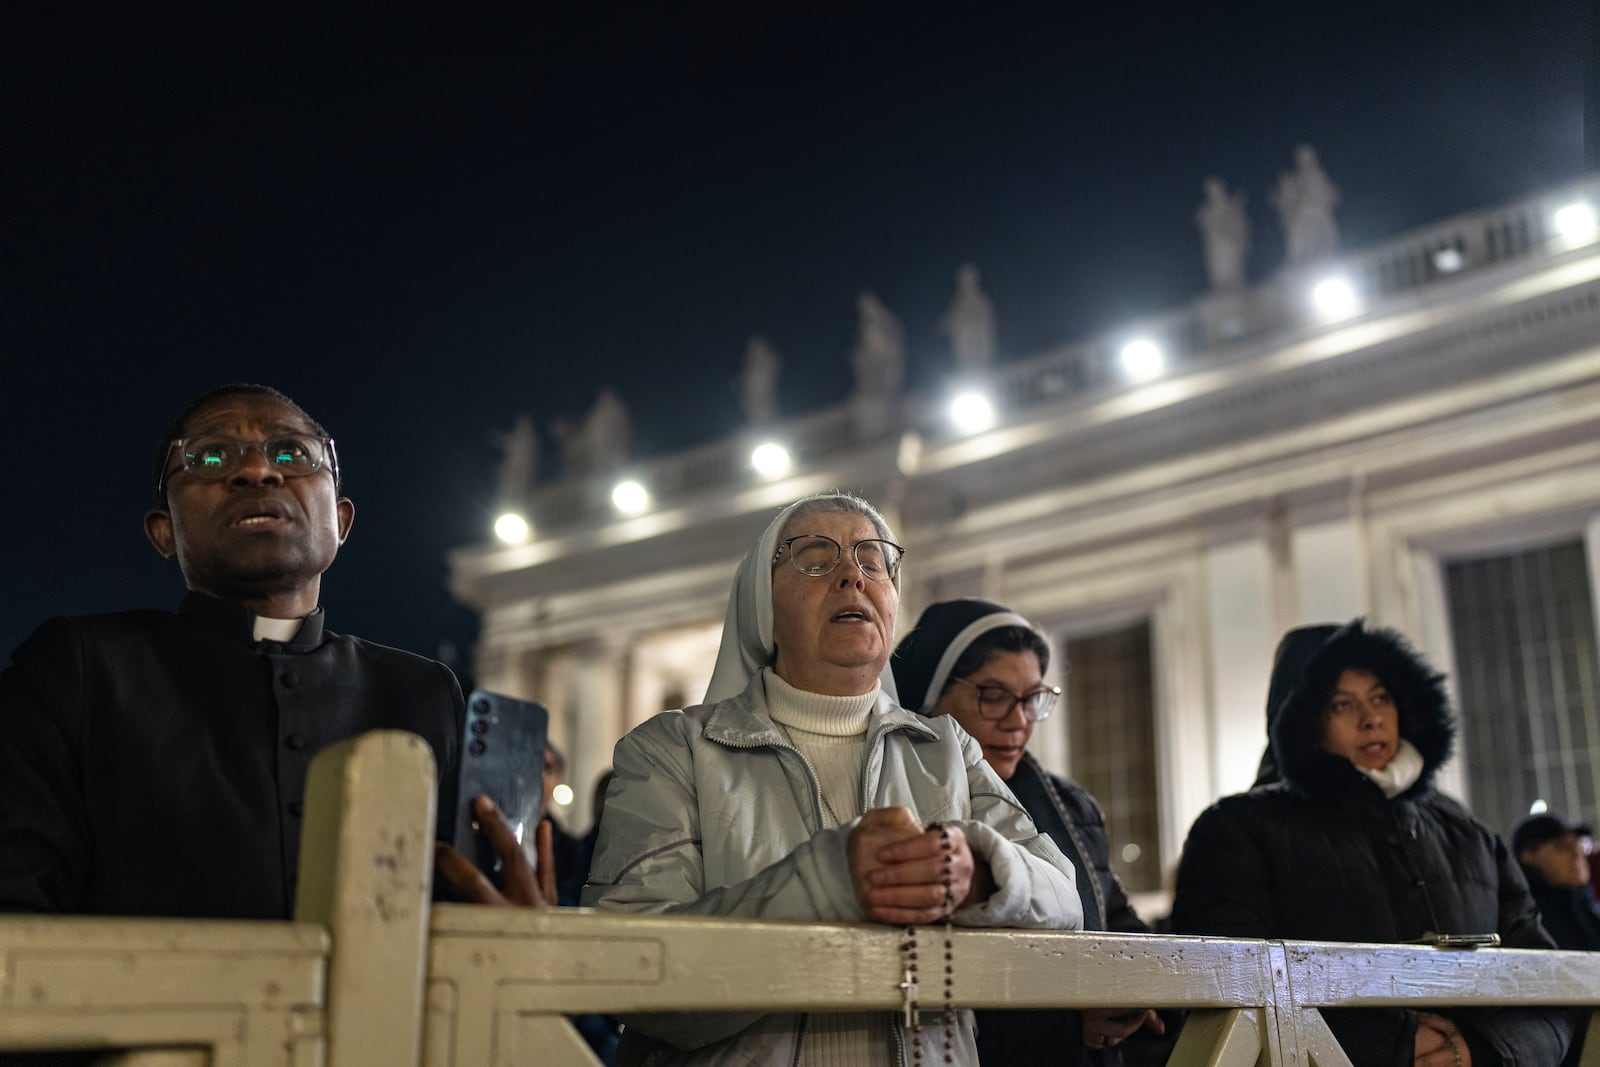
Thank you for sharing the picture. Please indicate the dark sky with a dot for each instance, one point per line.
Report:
(420, 227)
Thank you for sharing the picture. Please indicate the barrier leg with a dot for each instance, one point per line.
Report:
(1320, 1046)
(1224, 1037)
(548, 1040)
(366, 870)
(1589, 1024)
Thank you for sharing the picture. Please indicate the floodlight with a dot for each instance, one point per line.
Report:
(971, 412)
(1576, 222)
(630, 498)
(1142, 359)
(770, 459)
(511, 528)
(1335, 298)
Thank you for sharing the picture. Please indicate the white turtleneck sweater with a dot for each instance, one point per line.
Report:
(831, 733)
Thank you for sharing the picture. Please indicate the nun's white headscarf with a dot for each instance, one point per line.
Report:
(747, 630)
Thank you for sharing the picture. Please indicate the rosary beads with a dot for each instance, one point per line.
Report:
(908, 950)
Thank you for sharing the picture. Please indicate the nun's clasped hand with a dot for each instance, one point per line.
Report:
(905, 874)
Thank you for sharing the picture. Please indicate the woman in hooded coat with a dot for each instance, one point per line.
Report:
(1353, 843)
(800, 790)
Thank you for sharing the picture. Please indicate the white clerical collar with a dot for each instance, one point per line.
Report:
(266, 629)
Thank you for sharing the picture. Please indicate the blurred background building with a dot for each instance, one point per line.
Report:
(1409, 432)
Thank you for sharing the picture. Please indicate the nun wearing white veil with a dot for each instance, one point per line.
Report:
(800, 790)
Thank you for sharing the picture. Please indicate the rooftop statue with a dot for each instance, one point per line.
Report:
(880, 349)
(970, 322)
(1226, 233)
(758, 386)
(600, 444)
(519, 462)
(1305, 200)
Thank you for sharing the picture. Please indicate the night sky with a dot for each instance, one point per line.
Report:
(420, 227)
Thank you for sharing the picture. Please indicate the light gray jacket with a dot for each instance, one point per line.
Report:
(713, 812)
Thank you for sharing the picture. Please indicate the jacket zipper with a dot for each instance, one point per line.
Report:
(874, 747)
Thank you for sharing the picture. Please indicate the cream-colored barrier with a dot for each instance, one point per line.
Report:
(251, 993)
(341, 985)
(371, 974)
(498, 980)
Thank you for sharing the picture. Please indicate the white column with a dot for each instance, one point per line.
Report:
(499, 670)
(597, 699)
(1329, 572)
(1591, 546)
(1239, 589)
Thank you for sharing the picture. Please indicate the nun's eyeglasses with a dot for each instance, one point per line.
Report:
(996, 701)
(817, 554)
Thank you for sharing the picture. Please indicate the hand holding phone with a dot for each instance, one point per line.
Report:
(521, 885)
(502, 758)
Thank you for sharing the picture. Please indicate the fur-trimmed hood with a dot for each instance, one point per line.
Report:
(1426, 719)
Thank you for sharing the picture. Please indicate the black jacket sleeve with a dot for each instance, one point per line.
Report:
(1226, 889)
(1516, 1035)
(44, 836)
(1224, 878)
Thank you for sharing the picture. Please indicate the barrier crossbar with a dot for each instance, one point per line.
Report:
(370, 973)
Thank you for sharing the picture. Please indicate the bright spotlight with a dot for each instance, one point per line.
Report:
(511, 528)
(1448, 260)
(1334, 298)
(972, 412)
(1576, 223)
(1538, 807)
(562, 794)
(1142, 360)
(770, 459)
(630, 498)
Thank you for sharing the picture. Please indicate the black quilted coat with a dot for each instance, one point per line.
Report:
(1323, 855)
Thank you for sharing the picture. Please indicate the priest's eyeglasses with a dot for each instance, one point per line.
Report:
(215, 458)
(818, 554)
(996, 701)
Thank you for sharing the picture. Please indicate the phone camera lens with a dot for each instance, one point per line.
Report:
(478, 746)
(480, 706)
(479, 727)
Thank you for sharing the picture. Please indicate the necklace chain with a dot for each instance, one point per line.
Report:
(912, 979)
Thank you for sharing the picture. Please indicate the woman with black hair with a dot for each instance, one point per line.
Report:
(984, 666)
(1353, 843)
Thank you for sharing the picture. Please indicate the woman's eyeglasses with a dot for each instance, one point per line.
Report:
(996, 701)
(817, 554)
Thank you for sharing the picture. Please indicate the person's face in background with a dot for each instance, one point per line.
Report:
(1562, 861)
(1361, 723)
(1003, 740)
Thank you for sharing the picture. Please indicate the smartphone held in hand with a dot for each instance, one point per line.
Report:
(502, 757)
